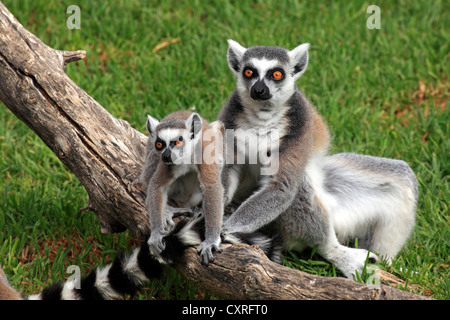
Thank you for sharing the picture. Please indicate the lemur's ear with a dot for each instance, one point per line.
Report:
(194, 124)
(151, 125)
(234, 56)
(299, 59)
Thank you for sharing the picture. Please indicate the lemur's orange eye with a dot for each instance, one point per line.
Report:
(248, 73)
(179, 143)
(158, 145)
(277, 75)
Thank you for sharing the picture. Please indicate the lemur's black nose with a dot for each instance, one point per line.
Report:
(166, 157)
(260, 91)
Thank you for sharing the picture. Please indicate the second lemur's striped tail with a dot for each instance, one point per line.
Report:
(125, 275)
(129, 271)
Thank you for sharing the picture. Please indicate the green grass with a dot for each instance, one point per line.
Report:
(383, 92)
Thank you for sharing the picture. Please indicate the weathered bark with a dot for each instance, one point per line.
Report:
(106, 155)
(244, 272)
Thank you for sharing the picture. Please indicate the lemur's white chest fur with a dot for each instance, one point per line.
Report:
(185, 191)
(261, 128)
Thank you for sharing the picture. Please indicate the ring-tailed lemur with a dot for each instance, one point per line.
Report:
(179, 169)
(313, 199)
(127, 274)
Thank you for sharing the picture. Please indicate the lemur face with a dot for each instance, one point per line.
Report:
(263, 78)
(175, 140)
(267, 74)
(172, 144)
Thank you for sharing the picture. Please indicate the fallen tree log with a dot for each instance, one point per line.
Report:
(106, 155)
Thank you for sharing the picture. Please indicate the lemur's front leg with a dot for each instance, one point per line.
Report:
(156, 242)
(212, 189)
(265, 205)
(156, 202)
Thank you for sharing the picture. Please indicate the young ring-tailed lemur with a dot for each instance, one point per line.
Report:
(129, 272)
(178, 169)
(312, 200)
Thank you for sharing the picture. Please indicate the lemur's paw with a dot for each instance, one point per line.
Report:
(355, 260)
(205, 250)
(156, 243)
(168, 223)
